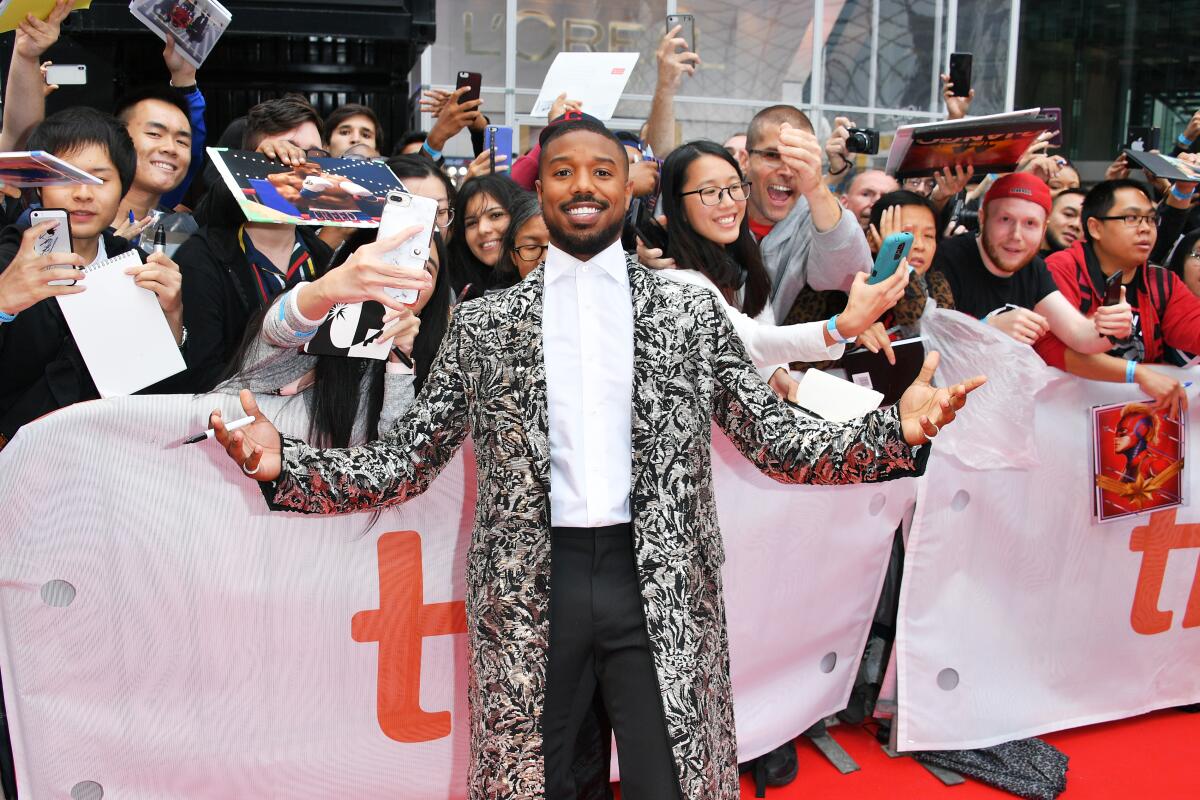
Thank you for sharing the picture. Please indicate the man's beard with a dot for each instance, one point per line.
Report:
(994, 255)
(583, 245)
(1055, 243)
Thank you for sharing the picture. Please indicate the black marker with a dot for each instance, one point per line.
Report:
(160, 240)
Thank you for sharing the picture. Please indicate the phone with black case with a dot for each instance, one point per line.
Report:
(960, 74)
(474, 82)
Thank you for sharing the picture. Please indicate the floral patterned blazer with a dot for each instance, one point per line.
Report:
(489, 381)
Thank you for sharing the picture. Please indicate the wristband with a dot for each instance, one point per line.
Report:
(6, 317)
(834, 333)
(1131, 371)
(1185, 141)
(185, 89)
(435, 154)
(1178, 195)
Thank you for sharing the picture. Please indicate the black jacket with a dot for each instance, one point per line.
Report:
(41, 369)
(220, 296)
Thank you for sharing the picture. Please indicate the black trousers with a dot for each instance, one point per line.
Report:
(599, 661)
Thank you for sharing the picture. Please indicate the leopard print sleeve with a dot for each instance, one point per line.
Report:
(793, 448)
(389, 470)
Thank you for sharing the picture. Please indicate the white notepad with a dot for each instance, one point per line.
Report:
(834, 399)
(120, 329)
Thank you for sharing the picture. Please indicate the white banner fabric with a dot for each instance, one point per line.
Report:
(162, 634)
(1019, 613)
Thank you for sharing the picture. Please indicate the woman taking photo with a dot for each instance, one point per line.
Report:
(704, 198)
(348, 400)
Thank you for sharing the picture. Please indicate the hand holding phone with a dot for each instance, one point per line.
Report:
(687, 28)
(960, 74)
(66, 74)
(402, 211)
(474, 83)
(54, 240)
(893, 250)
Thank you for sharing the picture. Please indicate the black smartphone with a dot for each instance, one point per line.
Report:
(474, 80)
(960, 74)
(687, 25)
(1056, 113)
(1143, 137)
(1112, 291)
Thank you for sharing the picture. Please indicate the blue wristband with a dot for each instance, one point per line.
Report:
(1178, 195)
(1130, 371)
(436, 154)
(834, 333)
(1185, 141)
(6, 317)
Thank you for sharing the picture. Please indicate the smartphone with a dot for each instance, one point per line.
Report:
(55, 240)
(894, 250)
(960, 74)
(1143, 138)
(498, 139)
(1112, 290)
(403, 210)
(1056, 115)
(66, 74)
(474, 80)
(687, 28)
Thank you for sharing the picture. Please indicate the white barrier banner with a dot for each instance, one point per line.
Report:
(1019, 613)
(162, 634)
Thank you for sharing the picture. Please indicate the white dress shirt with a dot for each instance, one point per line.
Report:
(587, 341)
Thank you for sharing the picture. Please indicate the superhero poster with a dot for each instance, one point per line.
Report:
(338, 192)
(1138, 459)
(195, 25)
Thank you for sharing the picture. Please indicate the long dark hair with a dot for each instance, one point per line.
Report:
(338, 385)
(525, 208)
(731, 266)
(465, 268)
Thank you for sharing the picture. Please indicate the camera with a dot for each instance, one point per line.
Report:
(964, 215)
(863, 140)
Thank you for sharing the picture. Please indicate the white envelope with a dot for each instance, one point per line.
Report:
(596, 80)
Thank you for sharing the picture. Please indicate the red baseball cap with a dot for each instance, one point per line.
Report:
(1022, 186)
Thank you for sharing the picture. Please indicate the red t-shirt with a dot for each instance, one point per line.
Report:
(760, 231)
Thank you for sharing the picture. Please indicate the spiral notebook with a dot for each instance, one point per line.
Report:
(120, 329)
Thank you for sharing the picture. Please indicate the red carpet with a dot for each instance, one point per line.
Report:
(1153, 756)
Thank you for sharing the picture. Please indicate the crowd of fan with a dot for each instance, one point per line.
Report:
(781, 226)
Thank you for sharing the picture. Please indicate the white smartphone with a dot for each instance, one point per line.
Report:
(403, 210)
(66, 74)
(55, 240)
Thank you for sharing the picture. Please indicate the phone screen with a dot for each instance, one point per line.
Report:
(960, 74)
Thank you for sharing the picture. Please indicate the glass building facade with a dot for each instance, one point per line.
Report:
(876, 61)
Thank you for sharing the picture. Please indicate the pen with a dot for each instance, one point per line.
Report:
(160, 240)
(406, 361)
(132, 220)
(210, 433)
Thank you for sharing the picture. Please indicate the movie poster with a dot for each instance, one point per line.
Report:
(338, 192)
(352, 330)
(1138, 459)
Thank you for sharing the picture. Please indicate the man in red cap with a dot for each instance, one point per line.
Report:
(999, 278)
(1111, 264)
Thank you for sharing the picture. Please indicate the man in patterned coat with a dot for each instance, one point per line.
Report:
(594, 571)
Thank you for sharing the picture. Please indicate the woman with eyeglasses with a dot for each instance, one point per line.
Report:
(482, 212)
(526, 239)
(704, 198)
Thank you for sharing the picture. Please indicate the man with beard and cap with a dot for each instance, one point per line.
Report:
(999, 278)
(593, 579)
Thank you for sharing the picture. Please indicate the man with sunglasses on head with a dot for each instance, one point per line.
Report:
(233, 268)
(1111, 262)
(806, 236)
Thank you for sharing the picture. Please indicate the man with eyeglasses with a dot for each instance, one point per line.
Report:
(806, 236)
(233, 268)
(1120, 226)
(999, 278)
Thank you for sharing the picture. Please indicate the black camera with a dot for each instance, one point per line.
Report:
(863, 140)
(965, 215)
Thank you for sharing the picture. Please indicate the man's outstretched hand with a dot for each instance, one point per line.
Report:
(926, 409)
(256, 447)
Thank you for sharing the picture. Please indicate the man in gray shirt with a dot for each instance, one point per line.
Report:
(806, 235)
